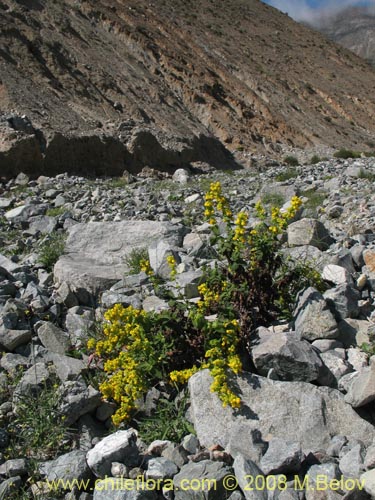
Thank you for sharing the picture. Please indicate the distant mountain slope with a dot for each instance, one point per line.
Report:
(353, 28)
(194, 74)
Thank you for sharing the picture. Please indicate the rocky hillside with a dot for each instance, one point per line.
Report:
(353, 28)
(307, 393)
(123, 84)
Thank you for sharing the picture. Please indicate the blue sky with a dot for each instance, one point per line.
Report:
(308, 10)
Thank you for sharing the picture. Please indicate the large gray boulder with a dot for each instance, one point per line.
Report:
(293, 411)
(309, 232)
(313, 319)
(204, 480)
(289, 357)
(95, 253)
(118, 447)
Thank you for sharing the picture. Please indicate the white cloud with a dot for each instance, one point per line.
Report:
(300, 10)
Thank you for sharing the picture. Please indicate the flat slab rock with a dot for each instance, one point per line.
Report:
(293, 411)
(95, 253)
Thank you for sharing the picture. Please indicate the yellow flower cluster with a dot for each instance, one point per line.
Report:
(182, 376)
(123, 343)
(279, 220)
(240, 227)
(145, 266)
(222, 356)
(209, 296)
(214, 200)
(172, 264)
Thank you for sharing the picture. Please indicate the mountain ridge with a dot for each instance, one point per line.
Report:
(180, 81)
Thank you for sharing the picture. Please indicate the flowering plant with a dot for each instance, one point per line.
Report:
(249, 287)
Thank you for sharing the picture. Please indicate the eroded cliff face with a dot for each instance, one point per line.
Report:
(126, 83)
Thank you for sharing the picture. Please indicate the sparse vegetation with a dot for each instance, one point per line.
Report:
(51, 249)
(168, 421)
(274, 199)
(315, 199)
(365, 174)
(315, 159)
(55, 211)
(290, 173)
(292, 161)
(135, 260)
(346, 153)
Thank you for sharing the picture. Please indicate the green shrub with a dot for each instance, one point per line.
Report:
(315, 199)
(51, 249)
(167, 422)
(290, 173)
(365, 174)
(55, 211)
(315, 159)
(37, 429)
(256, 286)
(347, 153)
(135, 260)
(292, 161)
(274, 199)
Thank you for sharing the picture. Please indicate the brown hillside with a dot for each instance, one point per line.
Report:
(168, 82)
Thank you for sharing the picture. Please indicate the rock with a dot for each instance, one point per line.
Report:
(76, 399)
(369, 259)
(11, 339)
(353, 332)
(112, 488)
(357, 358)
(31, 381)
(187, 283)
(313, 319)
(158, 252)
(181, 175)
(53, 338)
(67, 368)
(369, 461)
(161, 468)
(176, 454)
(118, 447)
(368, 480)
(190, 443)
(68, 467)
(79, 323)
(361, 390)
(336, 445)
(42, 224)
(305, 413)
(119, 470)
(204, 479)
(327, 471)
(244, 470)
(66, 295)
(155, 304)
(343, 301)
(21, 179)
(95, 253)
(309, 232)
(336, 274)
(253, 448)
(324, 345)
(351, 464)
(290, 358)
(335, 364)
(15, 467)
(282, 457)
